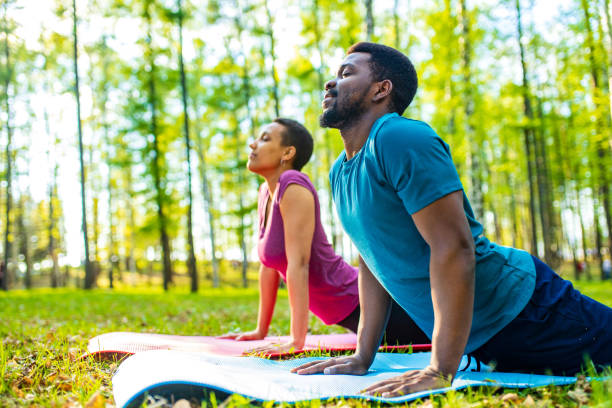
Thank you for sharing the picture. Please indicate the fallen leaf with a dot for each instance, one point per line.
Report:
(510, 397)
(97, 400)
(579, 396)
(50, 379)
(73, 353)
(27, 381)
(529, 402)
(18, 392)
(182, 403)
(65, 386)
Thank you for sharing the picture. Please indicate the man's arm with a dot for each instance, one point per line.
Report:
(445, 228)
(374, 304)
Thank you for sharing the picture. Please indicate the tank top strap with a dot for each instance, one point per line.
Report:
(293, 177)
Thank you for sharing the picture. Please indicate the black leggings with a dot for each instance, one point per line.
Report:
(401, 329)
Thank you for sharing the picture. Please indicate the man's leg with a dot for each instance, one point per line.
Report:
(555, 332)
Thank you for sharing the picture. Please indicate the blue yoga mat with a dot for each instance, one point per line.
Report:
(184, 374)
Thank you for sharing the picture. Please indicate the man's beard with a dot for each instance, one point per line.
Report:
(342, 112)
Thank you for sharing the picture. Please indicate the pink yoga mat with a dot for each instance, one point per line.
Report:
(120, 344)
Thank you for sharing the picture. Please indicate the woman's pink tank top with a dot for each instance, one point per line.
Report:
(332, 283)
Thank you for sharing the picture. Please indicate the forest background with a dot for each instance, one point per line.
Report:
(125, 126)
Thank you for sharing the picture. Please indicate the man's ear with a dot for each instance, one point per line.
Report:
(383, 89)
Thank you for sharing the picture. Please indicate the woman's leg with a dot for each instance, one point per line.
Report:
(400, 329)
(555, 332)
(351, 322)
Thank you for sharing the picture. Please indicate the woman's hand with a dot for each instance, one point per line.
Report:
(276, 348)
(352, 365)
(251, 335)
(409, 382)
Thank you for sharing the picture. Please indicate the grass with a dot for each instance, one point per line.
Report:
(44, 331)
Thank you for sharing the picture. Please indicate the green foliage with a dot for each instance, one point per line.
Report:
(43, 338)
(134, 166)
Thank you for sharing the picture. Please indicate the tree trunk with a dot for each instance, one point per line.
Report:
(55, 273)
(51, 228)
(129, 237)
(113, 264)
(396, 29)
(542, 174)
(528, 136)
(246, 88)
(602, 157)
(5, 267)
(476, 193)
(273, 73)
(160, 195)
(209, 210)
(191, 259)
(327, 141)
(608, 23)
(89, 272)
(587, 267)
(369, 20)
(241, 228)
(598, 237)
(24, 242)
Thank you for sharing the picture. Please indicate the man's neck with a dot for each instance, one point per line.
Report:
(355, 134)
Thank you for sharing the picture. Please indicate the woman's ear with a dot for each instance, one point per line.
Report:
(383, 90)
(289, 153)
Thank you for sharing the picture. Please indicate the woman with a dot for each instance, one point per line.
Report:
(292, 245)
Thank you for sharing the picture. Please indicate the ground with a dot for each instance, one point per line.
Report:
(44, 332)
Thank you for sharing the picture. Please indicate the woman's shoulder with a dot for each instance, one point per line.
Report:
(294, 177)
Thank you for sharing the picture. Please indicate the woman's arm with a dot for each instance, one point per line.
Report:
(268, 288)
(298, 211)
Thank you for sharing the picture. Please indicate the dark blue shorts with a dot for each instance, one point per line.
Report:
(555, 333)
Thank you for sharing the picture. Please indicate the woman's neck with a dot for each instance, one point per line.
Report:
(272, 180)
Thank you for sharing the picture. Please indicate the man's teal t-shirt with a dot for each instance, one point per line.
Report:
(402, 168)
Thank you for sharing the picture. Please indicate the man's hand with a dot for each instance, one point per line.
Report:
(409, 382)
(352, 365)
(289, 347)
(252, 335)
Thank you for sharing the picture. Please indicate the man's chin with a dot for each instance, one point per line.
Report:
(328, 119)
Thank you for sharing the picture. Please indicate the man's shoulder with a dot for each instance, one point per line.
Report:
(402, 128)
(399, 134)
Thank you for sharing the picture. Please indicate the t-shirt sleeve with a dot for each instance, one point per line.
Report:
(416, 162)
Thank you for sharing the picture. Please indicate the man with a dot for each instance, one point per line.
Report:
(399, 198)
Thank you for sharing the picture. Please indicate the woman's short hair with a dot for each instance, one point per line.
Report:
(296, 135)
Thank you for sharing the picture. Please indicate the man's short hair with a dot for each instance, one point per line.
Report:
(296, 135)
(389, 63)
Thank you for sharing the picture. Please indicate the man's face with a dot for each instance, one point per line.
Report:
(346, 95)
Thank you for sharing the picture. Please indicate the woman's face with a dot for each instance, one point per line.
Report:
(267, 150)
